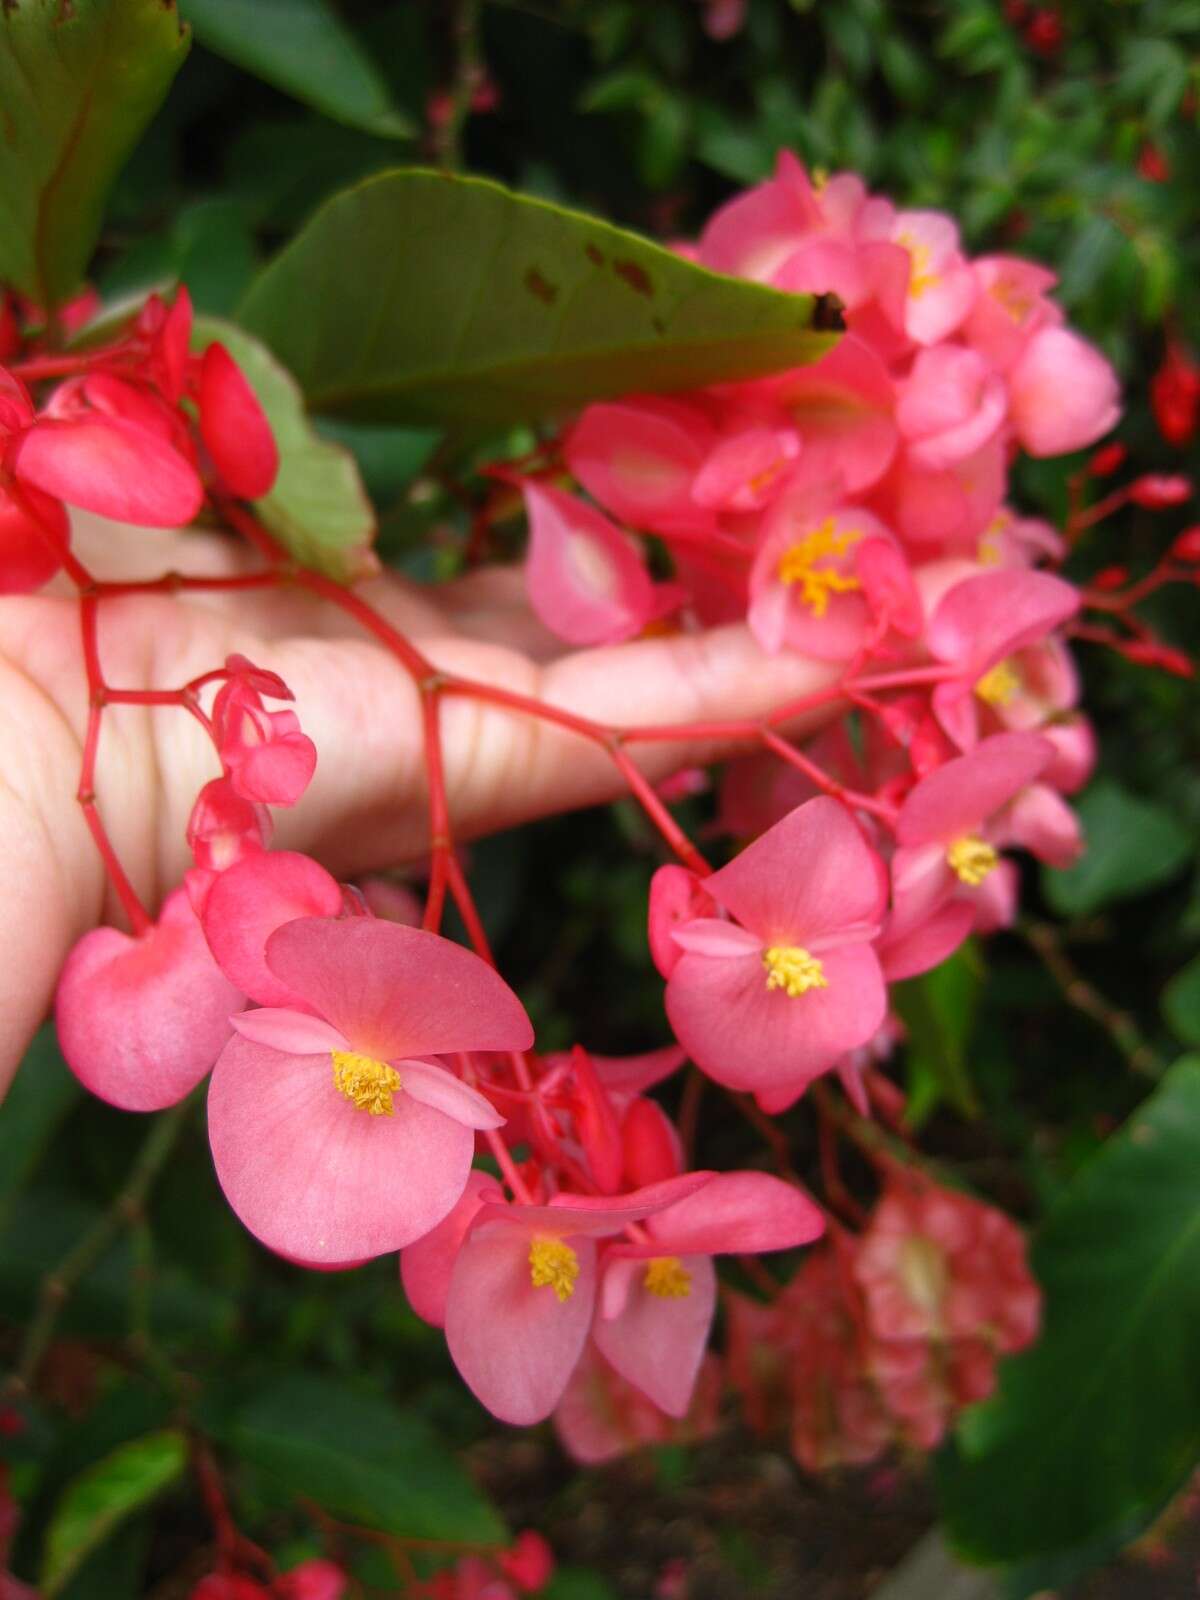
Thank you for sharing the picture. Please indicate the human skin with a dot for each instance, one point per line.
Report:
(366, 807)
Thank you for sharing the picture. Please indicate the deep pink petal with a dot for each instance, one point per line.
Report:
(657, 1342)
(312, 1175)
(515, 1344)
(434, 1086)
(106, 465)
(638, 459)
(246, 905)
(398, 991)
(997, 613)
(34, 534)
(959, 797)
(632, 1074)
(927, 943)
(140, 1021)
(427, 1263)
(749, 1037)
(811, 874)
(234, 426)
(569, 1215)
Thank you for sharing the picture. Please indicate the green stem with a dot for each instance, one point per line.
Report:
(124, 1211)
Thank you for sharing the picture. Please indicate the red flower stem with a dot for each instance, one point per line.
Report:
(1095, 600)
(851, 797)
(139, 918)
(179, 583)
(1082, 520)
(831, 1173)
(507, 1166)
(662, 819)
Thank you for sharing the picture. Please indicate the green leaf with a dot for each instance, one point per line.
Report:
(1132, 845)
(1180, 1004)
(318, 508)
(42, 1093)
(362, 1459)
(577, 1583)
(1099, 1422)
(938, 1011)
(78, 83)
(104, 1496)
(418, 296)
(303, 48)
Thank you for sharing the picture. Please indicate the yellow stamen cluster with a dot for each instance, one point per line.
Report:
(367, 1083)
(797, 564)
(792, 969)
(553, 1265)
(668, 1278)
(998, 685)
(972, 858)
(920, 277)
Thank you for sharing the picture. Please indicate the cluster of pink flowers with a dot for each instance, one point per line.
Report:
(311, 1580)
(373, 1085)
(880, 1339)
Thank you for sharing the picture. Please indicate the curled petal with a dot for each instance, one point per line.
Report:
(234, 426)
(107, 465)
(248, 902)
(294, 1032)
(434, 1086)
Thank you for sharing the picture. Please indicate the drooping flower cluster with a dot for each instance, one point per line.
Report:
(374, 1088)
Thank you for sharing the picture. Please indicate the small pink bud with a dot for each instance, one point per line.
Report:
(1155, 490)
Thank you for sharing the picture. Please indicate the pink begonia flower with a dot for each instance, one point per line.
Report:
(34, 534)
(949, 407)
(394, 901)
(267, 757)
(586, 580)
(639, 458)
(249, 901)
(746, 468)
(778, 994)
(601, 1416)
(1063, 394)
(312, 1580)
(918, 937)
(656, 1300)
(978, 626)
(1040, 820)
(140, 1021)
(426, 1264)
(1036, 685)
(805, 590)
(946, 826)
(947, 511)
(234, 426)
(753, 235)
(522, 1291)
(1010, 540)
(1010, 307)
(529, 1561)
(224, 826)
(844, 406)
(941, 286)
(109, 447)
(333, 1139)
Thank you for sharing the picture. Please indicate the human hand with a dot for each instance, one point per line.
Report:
(366, 807)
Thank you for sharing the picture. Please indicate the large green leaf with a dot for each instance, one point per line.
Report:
(303, 48)
(1132, 845)
(104, 1496)
(318, 508)
(1180, 1003)
(1093, 1428)
(78, 83)
(938, 1012)
(362, 1459)
(417, 296)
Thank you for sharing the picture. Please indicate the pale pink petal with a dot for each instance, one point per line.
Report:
(140, 1021)
(708, 936)
(994, 614)
(843, 406)
(515, 1344)
(1063, 394)
(959, 797)
(1041, 821)
(585, 579)
(253, 898)
(638, 459)
(315, 1177)
(294, 1032)
(597, 1215)
(397, 991)
(657, 1342)
(434, 1086)
(809, 875)
(747, 1036)
(928, 943)
(676, 895)
(738, 1213)
(427, 1263)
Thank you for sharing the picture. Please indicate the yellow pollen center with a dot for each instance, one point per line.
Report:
(792, 969)
(920, 277)
(553, 1264)
(368, 1084)
(1016, 301)
(999, 684)
(972, 858)
(668, 1278)
(797, 564)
